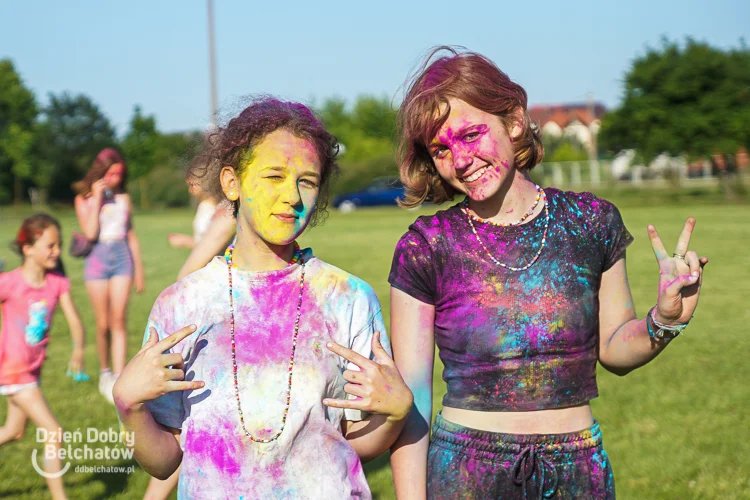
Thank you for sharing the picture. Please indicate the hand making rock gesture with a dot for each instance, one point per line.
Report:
(378, 385)
(680, 277)
(151, 373)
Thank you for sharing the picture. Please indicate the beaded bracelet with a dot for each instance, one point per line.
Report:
(672, 331)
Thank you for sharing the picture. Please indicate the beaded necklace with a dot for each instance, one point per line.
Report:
(297, 257)
(492, 257)
(539, 193)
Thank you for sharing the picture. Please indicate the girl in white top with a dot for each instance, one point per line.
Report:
(207, 206)
(103, 209)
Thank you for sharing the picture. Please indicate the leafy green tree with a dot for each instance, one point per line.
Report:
(71, 133)
(683, 99)
(18, 111)
(366, 132)
(140, 147)
(43, 164)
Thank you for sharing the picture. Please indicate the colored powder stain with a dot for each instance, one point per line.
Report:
(277, 470)
(218, 446)
(556, 325)
(317, 348)
(356, 468)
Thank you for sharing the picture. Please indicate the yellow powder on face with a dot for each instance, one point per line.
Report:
(279, 187)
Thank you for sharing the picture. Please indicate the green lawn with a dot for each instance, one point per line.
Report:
(678, 428)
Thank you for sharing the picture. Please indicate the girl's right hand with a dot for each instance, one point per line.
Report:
(377, 386)
(151, 373)
(97, 189)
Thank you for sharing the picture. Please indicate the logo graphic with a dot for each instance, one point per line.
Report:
(77, 446)
(48, 475)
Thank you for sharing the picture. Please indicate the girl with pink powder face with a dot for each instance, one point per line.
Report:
(523, 290)
(113, 266)
(284, 383)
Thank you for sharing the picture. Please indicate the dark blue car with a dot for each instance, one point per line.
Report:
(381, 191)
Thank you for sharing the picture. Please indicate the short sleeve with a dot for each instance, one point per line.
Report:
(614, 236)
(63, 284)
(168, 409)
(367, 318)
(412, 269)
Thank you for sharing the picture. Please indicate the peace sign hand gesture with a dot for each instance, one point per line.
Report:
(680, 277)
(378, 385)
(151, 373)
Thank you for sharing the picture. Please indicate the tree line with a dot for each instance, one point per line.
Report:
(687, 98)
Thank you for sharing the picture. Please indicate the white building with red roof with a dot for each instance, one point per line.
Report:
(578, 121)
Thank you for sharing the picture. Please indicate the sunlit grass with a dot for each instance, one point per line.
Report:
(678, 428)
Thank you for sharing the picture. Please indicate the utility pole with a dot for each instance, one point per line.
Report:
(212, 64)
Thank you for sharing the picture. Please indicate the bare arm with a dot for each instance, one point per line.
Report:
(149, 375)
(624, 343)
(379, 389)
(372, 436)
(154, 445)
(180, 240)
(87, 214)
(216, 238)
(139, 280)
(413, 342)
(77, 332)
(624, 340)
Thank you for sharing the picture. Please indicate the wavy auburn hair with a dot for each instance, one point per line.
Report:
(103, 161)
(456, 73)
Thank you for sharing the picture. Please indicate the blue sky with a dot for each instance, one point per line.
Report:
(154, 53)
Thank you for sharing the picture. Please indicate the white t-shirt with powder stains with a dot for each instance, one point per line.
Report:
(311, 458)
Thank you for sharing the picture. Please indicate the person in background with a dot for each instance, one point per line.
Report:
(104, 212)
(29, 295)
(207, 206)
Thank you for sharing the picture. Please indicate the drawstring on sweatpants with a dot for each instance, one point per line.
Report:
(531, 461)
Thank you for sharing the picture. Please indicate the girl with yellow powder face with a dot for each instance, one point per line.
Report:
(284, 380)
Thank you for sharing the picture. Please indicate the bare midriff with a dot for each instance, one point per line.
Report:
(556, 421)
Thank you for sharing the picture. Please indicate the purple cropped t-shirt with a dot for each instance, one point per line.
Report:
(515, 341)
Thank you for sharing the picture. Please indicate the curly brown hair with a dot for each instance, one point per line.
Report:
(232, 144)
(447, 73)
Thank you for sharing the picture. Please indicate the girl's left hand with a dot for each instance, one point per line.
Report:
(680, 277)
(139, 283)
(75, 365)
(378, 385)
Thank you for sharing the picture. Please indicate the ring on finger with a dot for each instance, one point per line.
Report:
(679, 255)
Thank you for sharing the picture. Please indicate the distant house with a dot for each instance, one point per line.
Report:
(578, 121)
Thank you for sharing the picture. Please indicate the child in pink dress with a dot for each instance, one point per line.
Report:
(29, 297)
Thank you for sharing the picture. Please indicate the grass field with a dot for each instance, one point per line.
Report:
(678, 428)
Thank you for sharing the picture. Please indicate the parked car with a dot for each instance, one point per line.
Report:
(381, 191)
